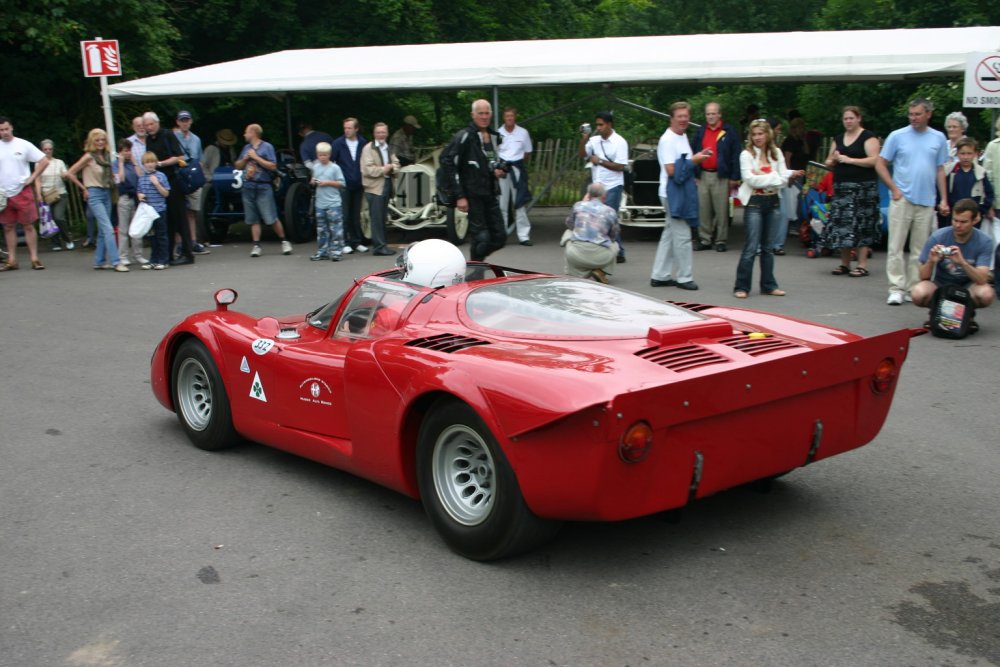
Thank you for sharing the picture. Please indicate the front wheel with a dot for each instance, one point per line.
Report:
(299, 224)
(456, 225)
(469, 490)
(200, 398)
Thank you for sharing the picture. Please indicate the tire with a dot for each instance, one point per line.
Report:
(200, 398)
(456, 225)
(216, 230)
(299, 226)
(365, 222)
(469, 490)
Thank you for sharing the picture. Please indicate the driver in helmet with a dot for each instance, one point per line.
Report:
(431, 263)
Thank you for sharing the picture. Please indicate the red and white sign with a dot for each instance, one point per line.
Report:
(101, 57)
(982, 81)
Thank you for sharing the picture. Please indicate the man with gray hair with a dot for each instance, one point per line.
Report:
(169, 155)
(917, 154)
(592, 226)
(470, 174)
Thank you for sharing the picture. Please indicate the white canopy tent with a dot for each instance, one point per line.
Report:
(882, 55)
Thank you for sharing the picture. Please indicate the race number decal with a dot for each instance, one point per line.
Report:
(261, 346)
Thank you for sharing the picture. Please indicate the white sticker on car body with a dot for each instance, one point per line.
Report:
(257, 389)
(262, 346)
(244, 366)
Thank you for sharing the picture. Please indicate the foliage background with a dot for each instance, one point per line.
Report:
(45, 94)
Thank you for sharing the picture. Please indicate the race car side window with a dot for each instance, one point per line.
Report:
(374, 310)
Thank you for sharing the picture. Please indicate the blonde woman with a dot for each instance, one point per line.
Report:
(762, 168)
(95, 165)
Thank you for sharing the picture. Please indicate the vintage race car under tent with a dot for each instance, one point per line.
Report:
(878, 55)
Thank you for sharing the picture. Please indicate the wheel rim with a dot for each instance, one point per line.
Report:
(194, 394)
(464, 475)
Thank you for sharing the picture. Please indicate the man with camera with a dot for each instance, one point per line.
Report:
(471, 169)
(607, 153)
(957, 255)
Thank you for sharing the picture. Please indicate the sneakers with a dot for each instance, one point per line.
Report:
(200, 249)
(257, 250)
(361, 248)
(318, 257)
(70, 246)
(147, 266)
(347, 250)
(907, 298)
(125, 262)
(157, 267)
(142, 261)
(895, 299)
(286, 247)
(121, 268)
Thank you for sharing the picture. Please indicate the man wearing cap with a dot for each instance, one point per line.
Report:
(310, 138)
(515, 150)
(401, 143)
(191, 145)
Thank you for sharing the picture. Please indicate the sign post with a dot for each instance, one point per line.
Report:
(102, 58)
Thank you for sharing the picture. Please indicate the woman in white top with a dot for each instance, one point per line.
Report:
(53, 181)
(762, 168)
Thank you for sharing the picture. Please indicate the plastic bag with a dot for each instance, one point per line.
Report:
(143, 219)
(47, 227)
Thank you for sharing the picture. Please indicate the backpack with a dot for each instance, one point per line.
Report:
(952, 309)
(190, 178)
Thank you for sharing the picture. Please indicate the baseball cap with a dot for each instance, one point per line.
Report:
(412, 120)
(183, 115)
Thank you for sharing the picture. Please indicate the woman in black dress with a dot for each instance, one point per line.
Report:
(854, 212)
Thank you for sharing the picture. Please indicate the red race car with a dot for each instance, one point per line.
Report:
(514, 400)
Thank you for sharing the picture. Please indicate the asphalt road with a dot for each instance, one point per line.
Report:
(122, 545)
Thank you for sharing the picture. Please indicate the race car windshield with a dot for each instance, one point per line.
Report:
(570, 307)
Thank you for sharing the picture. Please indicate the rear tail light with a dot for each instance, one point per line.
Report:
(636, 442)
(884, 376)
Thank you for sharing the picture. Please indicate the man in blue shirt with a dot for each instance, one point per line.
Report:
(918, 154)
(259, 162)
(957, 255)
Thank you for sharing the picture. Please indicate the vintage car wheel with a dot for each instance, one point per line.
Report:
(214, 228)
(468, 489)
(457, 225)
(366, 222)
(200, 398)
(299, 226)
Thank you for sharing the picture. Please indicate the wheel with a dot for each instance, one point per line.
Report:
(468, 489)
(200, 398)
(457, 225)
(299, 226)
(366, 222)
(215, 229)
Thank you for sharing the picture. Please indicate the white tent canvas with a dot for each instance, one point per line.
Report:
(723, 58)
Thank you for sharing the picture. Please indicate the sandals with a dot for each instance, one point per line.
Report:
(9, 266)
(841, 270)
(37, 265)
(740, 294)
(858, 272)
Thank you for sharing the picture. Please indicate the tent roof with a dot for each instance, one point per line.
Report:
(721, 58)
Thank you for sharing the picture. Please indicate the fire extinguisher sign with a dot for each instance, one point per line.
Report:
(101, 57)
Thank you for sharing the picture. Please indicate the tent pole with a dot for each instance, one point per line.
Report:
(288, 120)
(497, 120)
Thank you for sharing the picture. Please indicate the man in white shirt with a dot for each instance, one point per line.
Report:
(607, 152)
(515, 149)
(19, 184)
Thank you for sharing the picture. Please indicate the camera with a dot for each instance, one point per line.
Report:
(945, 252)
(502, 165)
(585, 128)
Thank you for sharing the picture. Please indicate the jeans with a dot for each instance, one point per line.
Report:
(159, 245)
(761, 217)
(99, 203)
(613, 198)
(329, 231)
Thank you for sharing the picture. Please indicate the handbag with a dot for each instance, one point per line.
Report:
(51, 196)
(190, 178)
(142, 220)
(46, 225)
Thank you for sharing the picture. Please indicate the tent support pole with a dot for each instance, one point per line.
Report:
(497, 116)
(288, 120)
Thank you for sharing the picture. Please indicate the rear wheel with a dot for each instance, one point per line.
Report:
(200, 398)
(469, 490)
(457, 225)
(298, 221)
(214, 228)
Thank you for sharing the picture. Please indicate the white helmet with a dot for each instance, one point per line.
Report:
(433, 263)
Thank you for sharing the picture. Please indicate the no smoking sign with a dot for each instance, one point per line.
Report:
(982, 80)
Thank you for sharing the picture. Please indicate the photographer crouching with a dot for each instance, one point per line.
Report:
(471, 169)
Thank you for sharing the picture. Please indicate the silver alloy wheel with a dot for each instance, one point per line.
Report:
(464, 474)
(194, 394)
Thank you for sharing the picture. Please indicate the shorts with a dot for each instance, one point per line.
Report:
(194, 200)
(259, 206)
(21, 209)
